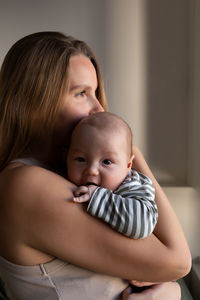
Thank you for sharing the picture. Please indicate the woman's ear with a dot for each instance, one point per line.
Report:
(130, 162)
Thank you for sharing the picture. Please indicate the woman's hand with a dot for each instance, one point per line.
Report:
(161, 291)
(142, 283)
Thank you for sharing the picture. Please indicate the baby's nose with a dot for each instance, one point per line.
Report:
(92, 170)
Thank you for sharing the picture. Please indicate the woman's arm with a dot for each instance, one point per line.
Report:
(49, 221)
(168, 229)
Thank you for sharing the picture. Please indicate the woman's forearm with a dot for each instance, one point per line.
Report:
(168, 229)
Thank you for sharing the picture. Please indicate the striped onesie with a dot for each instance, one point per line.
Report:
(131, 209)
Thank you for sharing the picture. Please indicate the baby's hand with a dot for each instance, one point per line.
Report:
(83, 193)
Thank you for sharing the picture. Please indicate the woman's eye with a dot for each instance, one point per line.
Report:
(81, 94)
(107, 162)
(80, 159)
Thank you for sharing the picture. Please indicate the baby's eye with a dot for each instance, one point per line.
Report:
(80, 159)
(107, 162)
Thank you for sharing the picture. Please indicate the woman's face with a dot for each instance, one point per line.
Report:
(79, 100)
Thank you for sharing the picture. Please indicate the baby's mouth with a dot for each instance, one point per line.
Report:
(91, 183)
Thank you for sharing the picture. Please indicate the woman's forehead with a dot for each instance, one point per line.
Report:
(81, 72)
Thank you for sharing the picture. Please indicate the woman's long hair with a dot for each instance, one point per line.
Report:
(32, 79)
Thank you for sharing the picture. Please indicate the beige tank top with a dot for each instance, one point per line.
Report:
(57, 279)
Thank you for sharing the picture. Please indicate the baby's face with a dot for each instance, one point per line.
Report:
(98, 157)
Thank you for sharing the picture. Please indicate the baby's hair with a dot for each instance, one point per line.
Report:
(108, 121)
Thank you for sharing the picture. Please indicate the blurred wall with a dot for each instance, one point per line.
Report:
(194, 96)
(148, 59)
(83, 19)
(152, 80)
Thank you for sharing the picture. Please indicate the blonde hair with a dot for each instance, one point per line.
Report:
(32, 79)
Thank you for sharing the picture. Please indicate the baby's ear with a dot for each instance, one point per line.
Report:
(130, 161)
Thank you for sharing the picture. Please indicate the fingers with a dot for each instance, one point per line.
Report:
(83, 189)
(82, 198)
(142, 283)
(81, 194)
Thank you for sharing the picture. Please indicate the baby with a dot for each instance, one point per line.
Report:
(99, 162)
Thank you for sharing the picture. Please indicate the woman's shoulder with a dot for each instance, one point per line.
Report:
(30, 198)
(23, 179)
(29, 189)
(25, 189)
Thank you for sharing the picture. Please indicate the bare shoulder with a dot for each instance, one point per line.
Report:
(33, 179)
(30, 197)
(32, 188)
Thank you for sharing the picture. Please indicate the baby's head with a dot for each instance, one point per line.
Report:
(100, 151)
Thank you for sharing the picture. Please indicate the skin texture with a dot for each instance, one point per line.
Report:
(30, 193)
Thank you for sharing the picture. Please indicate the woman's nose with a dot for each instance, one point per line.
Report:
(96, 107)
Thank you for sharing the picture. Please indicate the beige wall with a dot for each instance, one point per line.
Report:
(126, 64)
(83, 19)
(194, 109)
(186, 203)
(149, 52)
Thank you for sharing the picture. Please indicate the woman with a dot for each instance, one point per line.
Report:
(50, 248)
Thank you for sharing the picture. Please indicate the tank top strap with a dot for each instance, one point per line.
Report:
(29, 161)
(26, 161)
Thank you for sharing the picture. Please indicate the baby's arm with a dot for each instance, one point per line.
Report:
(131, 210)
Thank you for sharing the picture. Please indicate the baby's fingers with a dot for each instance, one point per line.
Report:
(82, 198)
(81, 190)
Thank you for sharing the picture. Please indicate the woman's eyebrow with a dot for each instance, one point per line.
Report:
(80, 86)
